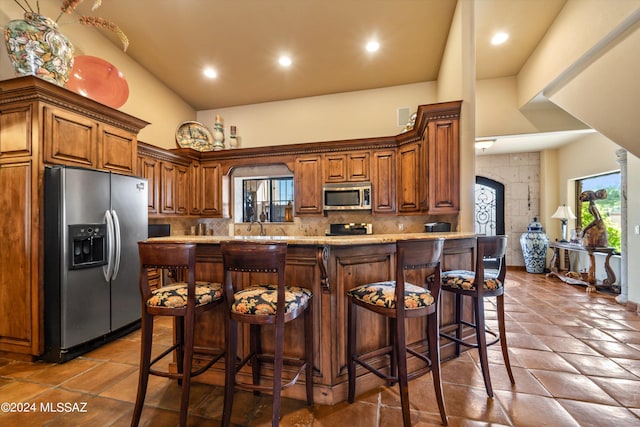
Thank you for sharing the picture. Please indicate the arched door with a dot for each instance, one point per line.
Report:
(489, 207)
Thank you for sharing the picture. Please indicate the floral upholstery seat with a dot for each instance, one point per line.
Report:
(463, 279)
(383, 294)
(262, 299)
(175, 295)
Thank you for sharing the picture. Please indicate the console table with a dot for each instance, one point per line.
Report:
(575, 278)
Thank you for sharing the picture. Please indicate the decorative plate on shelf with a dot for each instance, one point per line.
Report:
(194, 135)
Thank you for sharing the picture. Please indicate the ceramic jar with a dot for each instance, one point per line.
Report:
(218, 134)
(534, 247)
(36, 47)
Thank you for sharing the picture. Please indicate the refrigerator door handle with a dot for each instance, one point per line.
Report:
(118, 245)
(108, 269)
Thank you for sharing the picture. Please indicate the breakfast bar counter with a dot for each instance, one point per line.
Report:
(329, 266)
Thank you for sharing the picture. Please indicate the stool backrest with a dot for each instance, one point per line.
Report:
(174, 256)
(254, 258)
(491, 247)
(419, 263)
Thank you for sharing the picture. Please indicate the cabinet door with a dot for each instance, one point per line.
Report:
(69, 139)
(211, 189)
(383, 185)
(21, 303)
(150, 168)
(358, 166)
(335, 168)
(307, 177)
(443, 165)
(117, 150)
(182, 189)
(409, 178)
(195, 189)
(167, 188)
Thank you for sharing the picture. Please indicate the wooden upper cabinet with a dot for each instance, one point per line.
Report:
(149, 168)
(69, 138)
(443, 163)
(76, 140)
(383, 181)
(307, 184)
(182, 189)
(335, 167)
(15, 132)
(409, 177)
(117, 150)
(211, 193)
(168, 188)
(347, 167)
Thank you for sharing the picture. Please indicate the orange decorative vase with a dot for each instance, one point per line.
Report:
(36, 47)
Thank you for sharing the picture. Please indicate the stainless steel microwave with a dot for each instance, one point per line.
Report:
(346, 196)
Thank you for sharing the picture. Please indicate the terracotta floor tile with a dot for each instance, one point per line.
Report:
(565, 385)
(357, 414)
(568, 345)
(99, 378)
(632, 365)
(55, 374)
(528, 410)
(598, 366)
(614, 349)
(543, 329)
(626, 392)
(19, 369)
(596, 415)
(588, 333)
(536, 359)
(525, 340)
(473, 403)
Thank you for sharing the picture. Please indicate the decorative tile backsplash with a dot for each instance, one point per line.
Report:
(305, 226)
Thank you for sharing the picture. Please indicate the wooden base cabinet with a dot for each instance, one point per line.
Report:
(40, 124)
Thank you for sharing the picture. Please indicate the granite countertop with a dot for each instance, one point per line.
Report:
(316, 240)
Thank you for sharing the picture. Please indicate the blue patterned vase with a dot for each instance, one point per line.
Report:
(37, 48)
(534, 247)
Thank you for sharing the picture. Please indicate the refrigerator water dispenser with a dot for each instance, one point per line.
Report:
(87, 245)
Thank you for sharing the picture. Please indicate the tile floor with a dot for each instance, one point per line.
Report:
(576, 360)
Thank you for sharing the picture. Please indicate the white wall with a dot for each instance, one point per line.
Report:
(350, 115)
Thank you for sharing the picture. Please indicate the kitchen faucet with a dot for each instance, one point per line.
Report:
(253, 221)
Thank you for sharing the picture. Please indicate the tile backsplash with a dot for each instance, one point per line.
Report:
(307, 225)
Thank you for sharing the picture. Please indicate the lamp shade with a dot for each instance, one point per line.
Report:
(563, 212)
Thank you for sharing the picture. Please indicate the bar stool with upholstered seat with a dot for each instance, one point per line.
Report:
(479, 284)
(262, 303)
(181, 300)
(417, 268)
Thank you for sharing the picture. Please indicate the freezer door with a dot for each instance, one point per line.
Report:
(84, 293)
(129, 202)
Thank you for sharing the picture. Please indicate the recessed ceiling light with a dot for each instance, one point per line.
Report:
(210, 73)
(499, 38)
(285, 61)
(372, 46)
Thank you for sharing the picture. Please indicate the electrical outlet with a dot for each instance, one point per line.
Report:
(400, 226)
(637, 229)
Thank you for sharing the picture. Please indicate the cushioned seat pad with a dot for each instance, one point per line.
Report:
(262, 299)
(463, 279)
(175, 295)
(383, 294)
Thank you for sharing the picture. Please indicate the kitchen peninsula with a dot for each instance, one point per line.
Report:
(329, 266)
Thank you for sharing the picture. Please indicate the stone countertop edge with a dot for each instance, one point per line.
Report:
(315, 240)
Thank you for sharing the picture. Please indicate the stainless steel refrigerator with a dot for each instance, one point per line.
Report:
(93, 221)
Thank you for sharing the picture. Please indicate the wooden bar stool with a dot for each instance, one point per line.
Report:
(479, 284)
(181, 300)
(262, 303)
(417, 269)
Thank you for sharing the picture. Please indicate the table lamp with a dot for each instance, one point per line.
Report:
(564, 213)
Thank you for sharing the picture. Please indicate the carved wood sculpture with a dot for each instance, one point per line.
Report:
(594, 234)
